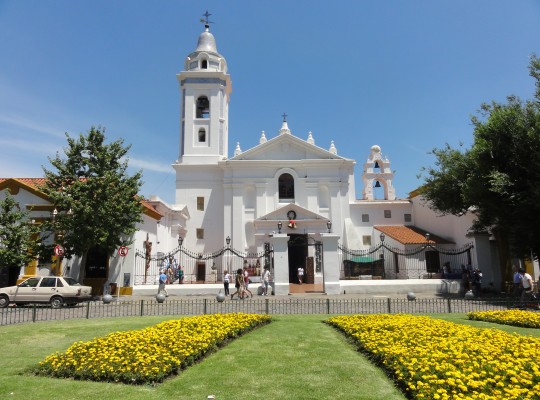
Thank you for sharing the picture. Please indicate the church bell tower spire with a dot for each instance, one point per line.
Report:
(205, 88)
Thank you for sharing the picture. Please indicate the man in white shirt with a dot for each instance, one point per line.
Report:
(527, 283)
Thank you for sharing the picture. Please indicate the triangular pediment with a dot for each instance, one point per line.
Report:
(292, 211)
(286, 147)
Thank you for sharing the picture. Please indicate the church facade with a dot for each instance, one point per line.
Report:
(287, 187)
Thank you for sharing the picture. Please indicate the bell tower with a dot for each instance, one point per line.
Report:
(377, 173)
(205, 89)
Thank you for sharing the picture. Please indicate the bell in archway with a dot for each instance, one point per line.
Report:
(377, 184)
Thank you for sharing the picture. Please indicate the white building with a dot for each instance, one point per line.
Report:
(287, 190)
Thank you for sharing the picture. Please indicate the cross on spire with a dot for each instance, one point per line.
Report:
(284, 117)
(206, 21)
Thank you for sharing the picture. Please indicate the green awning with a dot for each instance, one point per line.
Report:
(361, 259)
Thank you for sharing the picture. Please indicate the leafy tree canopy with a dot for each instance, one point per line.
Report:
(97, 201)
(499, 176)
(19, 237)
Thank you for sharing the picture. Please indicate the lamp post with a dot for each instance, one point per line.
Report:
(427, 238)
(279, 225)
(180, 240)
(382, 236)
(329, 226)
(228, 240)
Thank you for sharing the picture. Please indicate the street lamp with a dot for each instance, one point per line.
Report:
(228, 240)
(329, 226)
(180, 240)
(279, 225)
(382, 236)
(427, 237)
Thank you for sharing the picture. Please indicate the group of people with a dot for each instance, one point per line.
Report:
(241, 283)
(169, 272)
(523, 284)
(471, 280)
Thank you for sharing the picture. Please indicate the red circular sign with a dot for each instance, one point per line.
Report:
(58, 250)
(122, 251)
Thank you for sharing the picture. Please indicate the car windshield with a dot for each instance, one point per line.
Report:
(71, 282)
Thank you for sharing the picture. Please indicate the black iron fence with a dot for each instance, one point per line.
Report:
(191, 267)
(424, 261)
(120, 308)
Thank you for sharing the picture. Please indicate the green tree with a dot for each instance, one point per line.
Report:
(19, 237)
(499, 176)
(96, 200)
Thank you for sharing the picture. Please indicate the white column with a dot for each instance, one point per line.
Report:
(331, 263)
(281, 263)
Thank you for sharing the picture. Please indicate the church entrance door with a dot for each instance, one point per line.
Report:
(299, 256)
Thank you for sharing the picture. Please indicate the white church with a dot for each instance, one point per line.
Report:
(285, 203)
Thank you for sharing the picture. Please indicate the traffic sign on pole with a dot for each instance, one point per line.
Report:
(122, 251)
(58, 250)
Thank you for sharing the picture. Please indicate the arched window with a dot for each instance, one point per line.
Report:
(204, 64)
(286, 187)
(203, 107)
(202, 135)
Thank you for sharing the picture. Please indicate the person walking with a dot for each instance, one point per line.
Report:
(300, 274)
(162, 283)
(246, 282)
(239, 284)
(527, 283)
(226, 280)
(265, 278)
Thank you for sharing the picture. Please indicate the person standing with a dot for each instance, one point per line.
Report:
(226, 280)
(162, 283)
(180, 274)
(527, 283)
(265, 278)
(246, 282)
(517, 286)
(477, 282)
(300, 274)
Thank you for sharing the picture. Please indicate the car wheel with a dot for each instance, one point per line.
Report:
(4, 301)
(56, 302)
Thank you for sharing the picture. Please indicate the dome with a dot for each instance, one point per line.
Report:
(207, 42)
(375, 149)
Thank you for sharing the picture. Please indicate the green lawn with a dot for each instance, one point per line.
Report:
(294, 357)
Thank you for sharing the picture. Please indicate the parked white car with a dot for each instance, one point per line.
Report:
(56, 290)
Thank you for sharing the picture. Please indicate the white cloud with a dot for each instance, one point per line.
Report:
(150, 165)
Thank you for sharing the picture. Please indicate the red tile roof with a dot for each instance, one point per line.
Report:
(410, 235)
(34, 185)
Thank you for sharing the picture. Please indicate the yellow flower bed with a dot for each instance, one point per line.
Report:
(148, 355)
(526, 319)
(435, 359)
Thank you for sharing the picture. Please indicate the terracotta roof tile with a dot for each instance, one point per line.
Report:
(410, 235)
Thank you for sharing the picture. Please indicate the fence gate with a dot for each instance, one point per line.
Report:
(386, 262)
(194, 267)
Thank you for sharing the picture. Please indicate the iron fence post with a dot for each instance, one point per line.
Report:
(34, 313)
(328, 306)
(87, 310)
(204, 306)
(449, 306)
(389, 305)
(142, 307)
(267, 306)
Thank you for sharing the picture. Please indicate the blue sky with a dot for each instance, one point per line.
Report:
(406, 75)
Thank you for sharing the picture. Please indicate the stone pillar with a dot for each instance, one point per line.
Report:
(330, 263)
(281, 263)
